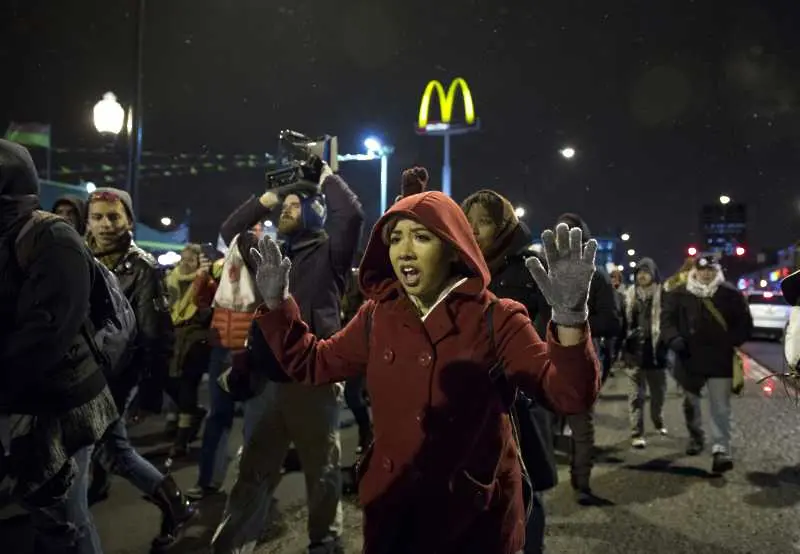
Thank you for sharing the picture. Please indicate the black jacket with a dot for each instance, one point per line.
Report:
(709, 349)
(45, 364)
(142, 282)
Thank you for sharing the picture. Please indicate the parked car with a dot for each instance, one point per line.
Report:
(770, 313)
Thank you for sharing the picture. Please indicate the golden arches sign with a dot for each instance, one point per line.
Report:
(446, 102)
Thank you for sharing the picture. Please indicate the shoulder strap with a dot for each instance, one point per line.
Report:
(25, 234)
(715, 312)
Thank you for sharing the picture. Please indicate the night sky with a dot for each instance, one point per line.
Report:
(669, 103)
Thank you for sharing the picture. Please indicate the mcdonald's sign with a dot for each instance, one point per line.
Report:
(445, 125)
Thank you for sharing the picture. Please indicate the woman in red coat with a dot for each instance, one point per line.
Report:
(443, 474)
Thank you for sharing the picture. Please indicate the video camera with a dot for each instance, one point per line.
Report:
(301, 158)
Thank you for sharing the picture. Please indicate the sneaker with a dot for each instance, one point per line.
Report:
(721, 462)
(199, 492)
(662, 431)
(695, 447)
(638, 442)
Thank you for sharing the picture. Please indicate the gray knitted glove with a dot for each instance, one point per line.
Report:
(565, 284)
(272, 272)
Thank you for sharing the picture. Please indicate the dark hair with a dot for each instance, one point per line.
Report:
(491, 202)
(414, 181)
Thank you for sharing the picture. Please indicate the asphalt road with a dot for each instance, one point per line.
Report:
(659, 501)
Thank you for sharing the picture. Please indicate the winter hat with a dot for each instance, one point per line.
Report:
(574, 220)
(790, 286)
(110, 194)
(706, 261)
(18, 175)
(414, 181)
(79, 205)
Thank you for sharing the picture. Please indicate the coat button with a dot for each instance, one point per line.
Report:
(388, 356)
(387, 464)
(424, 359)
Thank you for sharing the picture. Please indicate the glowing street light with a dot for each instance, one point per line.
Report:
(109, 116)
(519, 211)
(692, 251)
(568, 152)
(90, 187)
(632, 265)
(625, 237)
(620, 268)
(724, 200)
(631, 252)
(166, 221)
(377, 149)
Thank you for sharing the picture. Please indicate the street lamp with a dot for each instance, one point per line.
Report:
(109, 116)
(724, 200)
(568, 152)
(376, 149)
(625, 237)
(166, 221)
(90, 187)
(632, 265)
(519, 211)
(631, 252)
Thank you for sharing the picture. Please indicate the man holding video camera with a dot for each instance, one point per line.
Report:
(320, 225)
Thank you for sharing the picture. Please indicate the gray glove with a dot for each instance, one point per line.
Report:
(272, 272)
(565, 284)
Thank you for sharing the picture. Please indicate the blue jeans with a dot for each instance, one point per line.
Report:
(719, 404)
(67, 526)
(534, 530)
(127, 462)
(214, 457)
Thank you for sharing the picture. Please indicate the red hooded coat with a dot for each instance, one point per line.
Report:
(443, 475)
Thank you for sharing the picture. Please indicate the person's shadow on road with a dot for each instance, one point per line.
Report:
(778, 490)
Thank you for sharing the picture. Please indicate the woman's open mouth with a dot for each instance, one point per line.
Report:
(410, 276)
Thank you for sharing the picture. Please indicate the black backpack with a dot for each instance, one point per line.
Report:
(110, 330)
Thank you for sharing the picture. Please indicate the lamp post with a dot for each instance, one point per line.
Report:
(109, 116)
(376, 150)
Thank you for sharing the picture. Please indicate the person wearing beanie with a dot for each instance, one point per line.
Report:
(703, 322)
(605, 321)
(109, 235)
(73, 209)
(319, 228)
(54, 399)
(504, 241)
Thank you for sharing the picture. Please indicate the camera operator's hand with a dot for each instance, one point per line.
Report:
(269, 199)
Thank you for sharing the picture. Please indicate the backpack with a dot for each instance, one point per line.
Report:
(110, 330)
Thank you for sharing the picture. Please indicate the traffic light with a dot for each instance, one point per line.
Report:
(740, 251)
(692, 251)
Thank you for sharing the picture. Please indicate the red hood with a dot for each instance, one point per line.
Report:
(441, 215)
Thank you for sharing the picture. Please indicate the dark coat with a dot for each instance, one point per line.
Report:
(142, 282)
(710, 349)
(320, 265)
(443, 474)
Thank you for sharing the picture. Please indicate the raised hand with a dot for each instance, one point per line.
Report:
(272, 272)
(570, 266)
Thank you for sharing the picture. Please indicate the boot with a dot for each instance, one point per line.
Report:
(180, 448)
(176, 513)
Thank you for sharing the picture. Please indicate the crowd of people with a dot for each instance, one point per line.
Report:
(461, 352)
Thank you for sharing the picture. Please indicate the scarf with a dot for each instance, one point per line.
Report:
(14, 210)
(182, 306)
(700, 290)
(110, 257)
(646, 293)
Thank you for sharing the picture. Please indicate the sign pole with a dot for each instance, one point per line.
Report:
(446, 166)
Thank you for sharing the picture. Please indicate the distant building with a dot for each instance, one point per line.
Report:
(723, 228)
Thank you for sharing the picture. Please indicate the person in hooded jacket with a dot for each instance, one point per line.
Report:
(54, 400)
(703, 322)
(443, 474)
(605, 321)
(73, 209)
(110, 237)
(644, 352)
(504, 241)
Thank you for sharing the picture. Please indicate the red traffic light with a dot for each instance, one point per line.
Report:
(692, 251)
(740, 251)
